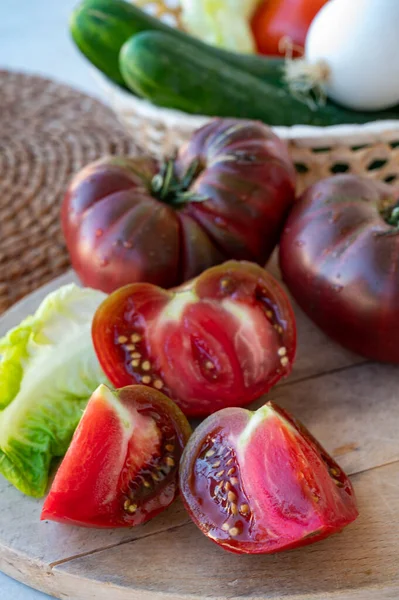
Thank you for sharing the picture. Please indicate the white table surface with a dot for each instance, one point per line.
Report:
(34, 38)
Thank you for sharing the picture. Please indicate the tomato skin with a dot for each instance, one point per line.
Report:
(276, 19)
(259, 483)
(339, 258)
(119, 443)
(118, 231)
(231, 331)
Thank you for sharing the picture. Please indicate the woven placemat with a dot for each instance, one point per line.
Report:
(48, 131)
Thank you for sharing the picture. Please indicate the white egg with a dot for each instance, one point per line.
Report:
(359, 42)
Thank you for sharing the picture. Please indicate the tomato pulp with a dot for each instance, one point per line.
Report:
(121, 467)
(222, 339)
(258, 482)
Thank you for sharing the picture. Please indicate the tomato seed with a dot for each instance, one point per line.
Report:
(135, 362)
(233, 508)
(210, 453)
(233, 480)
(231, 471)
(146, 379)
(158, 384)
(284, 361)
(225, 526)
(216, 464)
(220, 473)
(122, 339)
(234, 531)
(146, 365)
(135, 337)
(169, 447)
(231, 497)
(244, 509)
(282, 351)
(136, 355)
(169, 461)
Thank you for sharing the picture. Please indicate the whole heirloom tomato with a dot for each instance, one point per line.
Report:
(277, 19)
(221, 340)
(226, 195)
(339, 255)
(258, 482)
(121, 467)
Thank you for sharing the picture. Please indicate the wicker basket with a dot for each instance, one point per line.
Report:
(317, 152)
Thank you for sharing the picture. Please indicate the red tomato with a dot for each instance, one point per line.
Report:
(258, 482)
(276, 19)
(226, 195)
(221, 340)
(121, 467)
(339, 255)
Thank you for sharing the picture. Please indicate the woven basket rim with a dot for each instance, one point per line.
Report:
(306, 135)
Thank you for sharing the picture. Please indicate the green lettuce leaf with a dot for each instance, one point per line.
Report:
(48, 371)
(224, 23)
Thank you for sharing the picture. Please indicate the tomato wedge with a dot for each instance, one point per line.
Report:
(223, 339)
(121, 467)
(259, 483)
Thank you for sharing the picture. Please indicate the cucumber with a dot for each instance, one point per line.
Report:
(175, 74)
(100, 28)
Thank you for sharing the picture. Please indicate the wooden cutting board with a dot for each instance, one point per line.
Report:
(351, 405)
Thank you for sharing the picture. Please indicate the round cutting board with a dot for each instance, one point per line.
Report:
(350, 405)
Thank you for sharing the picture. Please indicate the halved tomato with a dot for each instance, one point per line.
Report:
(258, 482)
(223, 339)
(121, 467)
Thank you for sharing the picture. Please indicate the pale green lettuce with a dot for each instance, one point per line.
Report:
(48, 371)
(223, 23)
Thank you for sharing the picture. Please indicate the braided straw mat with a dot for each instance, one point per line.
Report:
(48, 132)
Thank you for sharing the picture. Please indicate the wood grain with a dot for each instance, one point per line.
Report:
(183, 562)
(353, 412)
(350, 406)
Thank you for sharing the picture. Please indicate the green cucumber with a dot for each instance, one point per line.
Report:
(100, 28)
(175, 74)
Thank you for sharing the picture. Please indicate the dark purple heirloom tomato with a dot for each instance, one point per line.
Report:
(339, 256)
(226, 195)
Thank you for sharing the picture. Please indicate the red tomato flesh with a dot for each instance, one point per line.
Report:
(259, 483)
(220, 340)
(121, 467)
